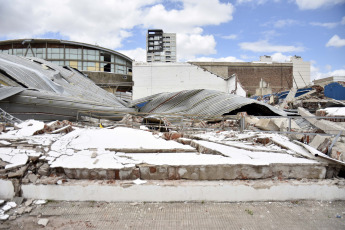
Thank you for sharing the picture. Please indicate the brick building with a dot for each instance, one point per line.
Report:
(279, 76)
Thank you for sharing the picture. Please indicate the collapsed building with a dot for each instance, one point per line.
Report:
(210, 137)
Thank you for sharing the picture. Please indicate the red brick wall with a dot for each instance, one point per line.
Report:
(278, 76)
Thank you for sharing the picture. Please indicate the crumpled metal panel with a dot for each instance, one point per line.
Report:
(39, 74)
(6, 91)
(201, 102)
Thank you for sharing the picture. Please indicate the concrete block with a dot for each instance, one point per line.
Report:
(338, 151)
(7, 190)
(267, 124)
(327, 126)
(283, 124)
(317, 141)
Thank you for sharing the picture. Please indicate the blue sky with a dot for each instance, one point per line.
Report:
(207, 30)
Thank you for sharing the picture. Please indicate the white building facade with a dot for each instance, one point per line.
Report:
(160, 46)
(153, 78)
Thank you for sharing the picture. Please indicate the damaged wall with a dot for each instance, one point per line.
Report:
(278, 75)
(153, 78)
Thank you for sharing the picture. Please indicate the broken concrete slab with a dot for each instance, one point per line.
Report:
(318, 140)
(4, 217)
(120, 139)
(283, 124)
(44, 170)
(32, 177)
(338, 151)
(267, 124)
(7, 189)
(18, 173)
(18, 200)
(43, 222)
(289, 98)
(325, 125)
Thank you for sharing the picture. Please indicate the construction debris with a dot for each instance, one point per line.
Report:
(325, 125)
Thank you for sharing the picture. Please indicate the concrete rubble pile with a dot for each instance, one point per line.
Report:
(311, 100)
(19, 206)
(192, 135)
(30, 155)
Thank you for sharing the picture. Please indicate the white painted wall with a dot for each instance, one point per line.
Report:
(231, 85)
(153, 78)
(170, 191)
(301, 72)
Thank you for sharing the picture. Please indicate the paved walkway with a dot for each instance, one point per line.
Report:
(252, 215)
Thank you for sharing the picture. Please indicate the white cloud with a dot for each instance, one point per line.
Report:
(250, 58)
(283, 23)
(336, 41)
(329, 25)
(315, 72)
(195, 13)
(258, 2)
(222, 59)
(230, 37)
(318, 75)
(315, 4)
(265, 46)
(279, 57)
(269, 34)
(109, 22)
(190, 45)
(138, 54)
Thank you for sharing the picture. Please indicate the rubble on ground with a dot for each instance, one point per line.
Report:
(12, 209)
(110, 153)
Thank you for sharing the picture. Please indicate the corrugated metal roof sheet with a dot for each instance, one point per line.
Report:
(65, 86)
(203, 102)
(6, 92)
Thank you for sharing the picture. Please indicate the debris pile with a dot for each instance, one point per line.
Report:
(10, 210)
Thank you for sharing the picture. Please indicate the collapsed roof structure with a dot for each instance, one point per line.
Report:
(35, 88)
(203, 102)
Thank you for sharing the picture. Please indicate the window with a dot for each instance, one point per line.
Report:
(73, 54)
(120, 69)
(92, 55)
(120, 61)
(55, 53)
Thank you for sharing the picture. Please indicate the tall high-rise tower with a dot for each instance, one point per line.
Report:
(160, 46)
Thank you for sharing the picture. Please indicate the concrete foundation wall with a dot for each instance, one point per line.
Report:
(169, 191)
(153, 78)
